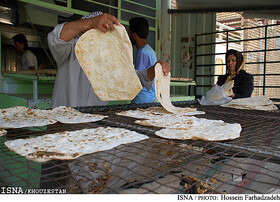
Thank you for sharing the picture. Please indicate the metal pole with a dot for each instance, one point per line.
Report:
(164, 30)
(195, 63)
(35, 90)
(264, 62)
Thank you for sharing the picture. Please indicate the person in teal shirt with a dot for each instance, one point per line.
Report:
(145, 56)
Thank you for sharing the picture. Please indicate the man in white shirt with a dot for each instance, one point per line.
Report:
(72, 87)
(28, 59)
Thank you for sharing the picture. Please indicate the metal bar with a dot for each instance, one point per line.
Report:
(30, 77)
(195, 62)
(227, 41)
(249, 63)
(156, 28)
(139, 4)
(268, 86)
(206, 44)
(119, 10)
(69, 3)
(55, 7)
(35, 90)
(1, 56)
(240, 29)
(254, 51)
(255, 86)
(252, 74)
(101, 4)
(231, 9)
(125, 10)
(264, 64)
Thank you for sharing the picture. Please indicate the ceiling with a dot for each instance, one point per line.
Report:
(269, 9)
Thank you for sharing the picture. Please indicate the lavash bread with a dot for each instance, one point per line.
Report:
(228, 88)
(65, 114)
(19, 117)
(153, 112)
(252, 103)
(70, 145)
(189, 127)
(107, 60)
(162, 88)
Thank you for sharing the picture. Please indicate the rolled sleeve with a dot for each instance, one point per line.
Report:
(61, 50)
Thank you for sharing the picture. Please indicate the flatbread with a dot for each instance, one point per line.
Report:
(19, 117)
(162, 88)
(107, 60)
(252, 103)
(65, 114)
(228, 88)
(153, 112)
(70, 145)
(190, 127)
(2, 132)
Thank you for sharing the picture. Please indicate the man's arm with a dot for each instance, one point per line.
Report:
(147, 76)
(72, 29)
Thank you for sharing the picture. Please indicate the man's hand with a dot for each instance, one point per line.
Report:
(165, 68)
(104, 22)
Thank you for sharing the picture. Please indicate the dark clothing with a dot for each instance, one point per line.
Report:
(243, 84)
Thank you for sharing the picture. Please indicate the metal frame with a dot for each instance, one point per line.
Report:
(227, 41)
(249, 164)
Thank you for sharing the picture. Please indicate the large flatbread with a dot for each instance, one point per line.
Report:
(162, 88)
(107, 60)
(207, 133)
(153, 112)
(65, 114)
(190, 127)
(19, 117)
(70, 145)
(252, 103)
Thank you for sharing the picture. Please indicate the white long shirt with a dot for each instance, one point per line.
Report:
(28, 59)
(72, 87)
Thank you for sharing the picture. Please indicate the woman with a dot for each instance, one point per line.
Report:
(243, 81)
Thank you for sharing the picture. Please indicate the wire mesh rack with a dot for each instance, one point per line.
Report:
(249, 164)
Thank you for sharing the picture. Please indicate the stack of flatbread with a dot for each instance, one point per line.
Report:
(253, 103)
(70, 145)
(107, 60)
